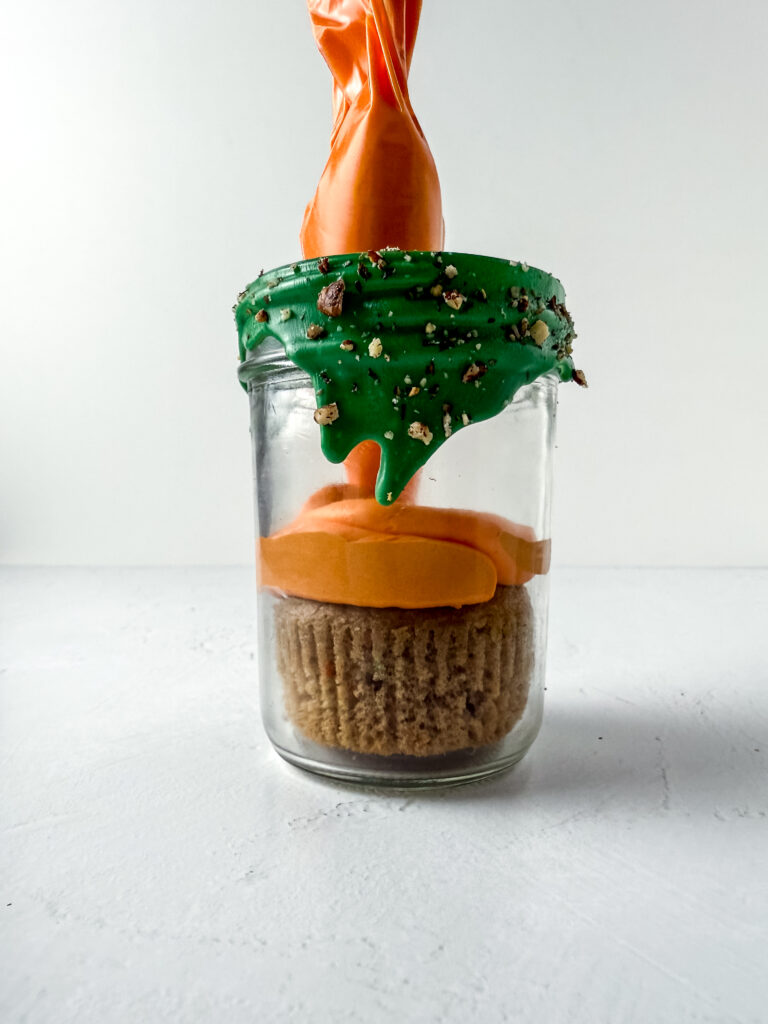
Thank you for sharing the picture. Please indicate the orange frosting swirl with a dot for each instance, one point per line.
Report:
(347, 549)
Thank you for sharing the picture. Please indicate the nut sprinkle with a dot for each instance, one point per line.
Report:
(474, 372)
(326, 414)
(453, 299)
(420, 432)
(331, 298)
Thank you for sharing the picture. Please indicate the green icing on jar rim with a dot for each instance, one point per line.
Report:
(406, 348)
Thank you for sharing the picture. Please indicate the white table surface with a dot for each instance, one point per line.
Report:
(160, 863)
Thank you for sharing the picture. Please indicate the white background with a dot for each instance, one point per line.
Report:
(157, 155)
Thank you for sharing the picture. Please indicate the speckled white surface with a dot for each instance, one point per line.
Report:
(160, 863)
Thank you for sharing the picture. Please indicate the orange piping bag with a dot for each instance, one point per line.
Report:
(379, 187)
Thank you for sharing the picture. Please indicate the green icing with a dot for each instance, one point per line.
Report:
(393, 301)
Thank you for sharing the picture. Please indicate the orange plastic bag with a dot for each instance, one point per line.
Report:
(380, 186)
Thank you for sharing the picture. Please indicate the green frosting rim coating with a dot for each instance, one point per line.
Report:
(432, 342)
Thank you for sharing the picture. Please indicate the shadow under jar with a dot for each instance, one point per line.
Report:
(406, 696)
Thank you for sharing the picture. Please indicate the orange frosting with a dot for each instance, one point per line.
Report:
(379, 187)
(348, 549)
(516, 554)
(348, 565)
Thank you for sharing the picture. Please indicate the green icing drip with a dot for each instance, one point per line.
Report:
(393, 302)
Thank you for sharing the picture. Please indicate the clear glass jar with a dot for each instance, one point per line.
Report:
(396, 696)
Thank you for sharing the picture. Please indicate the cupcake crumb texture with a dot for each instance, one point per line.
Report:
(396, 681)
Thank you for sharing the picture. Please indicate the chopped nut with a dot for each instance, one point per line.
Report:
(374, 257)
(447, 428)
(430, 328)
(539, 332)
(375, 348)
(315, 331)
(524, 326)
(407, 257)
(450, 271)
(420, 432)
(474, 372)
(323, 265)
(524, 267)
(436, 290)
(389, 495)
(326, 414)
(465, 419)
(389, 434)
(413, 392)
(347, 345)
(261, 316)
(453, 299)
(285, 314)
(331, 298)
(579, 377)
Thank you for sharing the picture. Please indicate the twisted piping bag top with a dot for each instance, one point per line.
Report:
(379, 187)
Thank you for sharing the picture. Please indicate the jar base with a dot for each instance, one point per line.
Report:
(440, 772)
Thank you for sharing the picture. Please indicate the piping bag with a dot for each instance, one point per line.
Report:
(379, 187)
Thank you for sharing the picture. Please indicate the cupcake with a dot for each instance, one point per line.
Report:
(402, 681)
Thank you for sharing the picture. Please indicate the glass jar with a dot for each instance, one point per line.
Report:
(408, 697)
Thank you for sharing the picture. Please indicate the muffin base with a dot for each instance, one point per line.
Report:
(410, 682)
